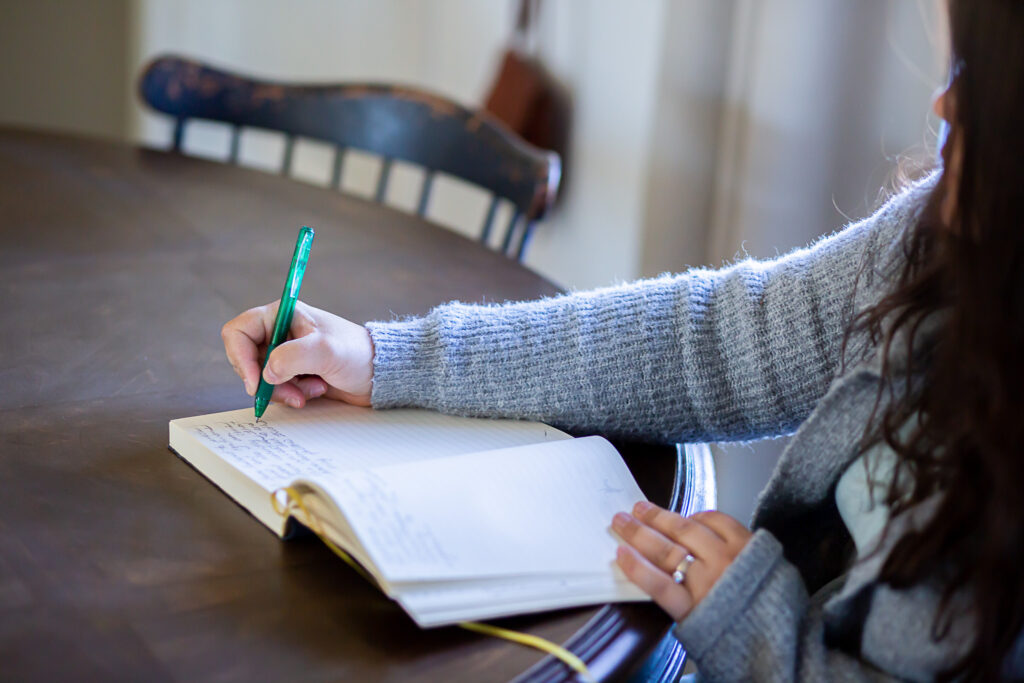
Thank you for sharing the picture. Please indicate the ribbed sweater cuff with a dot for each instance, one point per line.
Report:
(401, 370)
(729, 599)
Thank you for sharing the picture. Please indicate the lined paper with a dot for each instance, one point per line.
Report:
(544, 508)
(327, 436)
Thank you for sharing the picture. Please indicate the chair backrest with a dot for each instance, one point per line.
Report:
(391, 121)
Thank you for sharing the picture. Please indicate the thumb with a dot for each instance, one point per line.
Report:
(309, 355)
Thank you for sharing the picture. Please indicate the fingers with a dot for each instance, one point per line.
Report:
(672, 597)
(297, 391)
(729, 528)
(247, 333)
(663, 552)
(664, 538)
(308, 355)
(710, 534)
(658, 541)
(289, 394)
(243, 336)
(338, 352)
(686, 531)
(311, 387)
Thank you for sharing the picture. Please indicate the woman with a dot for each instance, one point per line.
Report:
(890, 538)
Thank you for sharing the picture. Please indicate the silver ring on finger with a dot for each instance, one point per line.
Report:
(679, 575)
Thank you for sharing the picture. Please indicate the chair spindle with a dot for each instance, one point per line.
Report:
(382, 181)
(510, 230)
(339, 162)
(236, 136)
(437, 135)
(428, 184)
(179, 134)
(289, 148)
(527, 233)
(485, 234)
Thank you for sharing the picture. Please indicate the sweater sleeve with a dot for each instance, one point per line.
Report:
(756, 624)
(732, 354)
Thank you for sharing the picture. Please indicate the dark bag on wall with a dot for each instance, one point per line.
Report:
(527, 98)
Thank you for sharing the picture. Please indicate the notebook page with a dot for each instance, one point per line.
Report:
(329, 436)
(544, 508)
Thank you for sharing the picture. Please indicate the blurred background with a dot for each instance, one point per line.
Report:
(701, 130)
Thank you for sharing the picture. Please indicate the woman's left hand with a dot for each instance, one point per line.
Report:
(658, 541)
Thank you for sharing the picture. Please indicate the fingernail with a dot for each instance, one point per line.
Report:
(621, 552)
(293, 402)
(317, 391)
(642, 507)
(620, 520)
(248, 387)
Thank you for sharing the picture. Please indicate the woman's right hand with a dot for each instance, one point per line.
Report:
(324, 356)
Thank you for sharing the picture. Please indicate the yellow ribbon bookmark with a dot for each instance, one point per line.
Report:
(542, 644)
(294, 501)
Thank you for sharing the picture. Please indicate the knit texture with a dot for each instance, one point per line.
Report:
(708, 355)
(748, 351)
(758, 623)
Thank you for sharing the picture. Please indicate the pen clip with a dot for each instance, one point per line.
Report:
(299, 261)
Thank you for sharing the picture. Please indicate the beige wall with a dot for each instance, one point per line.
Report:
(64, 65)
(821, 99)
(684, 148)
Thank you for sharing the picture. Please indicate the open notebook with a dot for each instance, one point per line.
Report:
(457, 519)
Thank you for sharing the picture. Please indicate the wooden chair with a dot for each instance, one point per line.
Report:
(391, 121)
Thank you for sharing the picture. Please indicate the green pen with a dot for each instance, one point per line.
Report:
(284, 312)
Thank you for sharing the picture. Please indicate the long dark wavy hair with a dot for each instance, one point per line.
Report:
(965, 262)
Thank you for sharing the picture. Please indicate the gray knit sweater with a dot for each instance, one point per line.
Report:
(745, 352)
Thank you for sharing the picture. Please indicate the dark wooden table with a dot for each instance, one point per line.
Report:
(117, 561)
